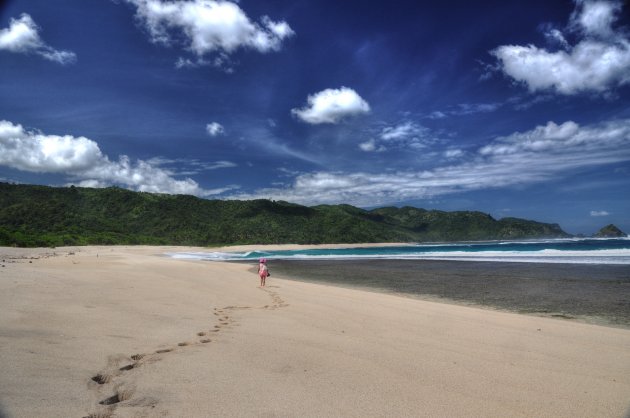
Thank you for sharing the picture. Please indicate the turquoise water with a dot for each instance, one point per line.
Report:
(579, 251)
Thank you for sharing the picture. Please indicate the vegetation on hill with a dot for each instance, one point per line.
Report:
(47, 216)
(609, 231)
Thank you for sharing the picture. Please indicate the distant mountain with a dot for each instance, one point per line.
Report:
(609, 231)
(48, 216)
(436, 225)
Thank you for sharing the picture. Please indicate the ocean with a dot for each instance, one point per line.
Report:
(573, 279)
(571, 251)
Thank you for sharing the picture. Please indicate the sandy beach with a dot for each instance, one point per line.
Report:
(129, 332)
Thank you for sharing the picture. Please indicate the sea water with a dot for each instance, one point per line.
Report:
(571, 251)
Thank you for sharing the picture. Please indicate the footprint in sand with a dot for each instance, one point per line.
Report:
(128, 367)
(102, 378)
(125, 393)
(108, 413)
(121, 394)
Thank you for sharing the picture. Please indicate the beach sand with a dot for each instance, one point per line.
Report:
(151, 336)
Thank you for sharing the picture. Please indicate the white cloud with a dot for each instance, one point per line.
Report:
(215, 129)
(599, 213)
(368, 146)
(437, 115)
(589, 66)
(599, 62)
(469, 109)
(33, 151)
(453, 153)
(402, 131)
(81, 159)
(22, 36)
(465, 109)
(542, 138)
(595, 17)
(209, 26)
(188, 167)
(555, 36)
(538, 155)
(406, 135)
(332, 105)
(218, 164)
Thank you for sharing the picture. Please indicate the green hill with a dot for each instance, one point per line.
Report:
(48, 216)
(609, 231)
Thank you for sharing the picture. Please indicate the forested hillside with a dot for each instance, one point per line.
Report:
(48, 216)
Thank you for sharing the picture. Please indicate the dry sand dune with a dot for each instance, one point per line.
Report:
(127, 332)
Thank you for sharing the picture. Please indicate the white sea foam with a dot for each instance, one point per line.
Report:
(218, 256)
(608, 256)
(542, 256)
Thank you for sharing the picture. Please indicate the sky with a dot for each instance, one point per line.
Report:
(516, 109)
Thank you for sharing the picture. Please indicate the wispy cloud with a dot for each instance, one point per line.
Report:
(541, 154)
(403, 135)
(189, 167)
(465, 109)
(22, 36)
(599, 213)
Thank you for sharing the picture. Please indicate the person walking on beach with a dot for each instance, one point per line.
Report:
(263, 271)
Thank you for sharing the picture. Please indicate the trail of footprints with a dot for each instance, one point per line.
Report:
(112, 376)
(277, 301)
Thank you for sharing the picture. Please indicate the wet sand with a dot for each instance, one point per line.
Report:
(590, 293)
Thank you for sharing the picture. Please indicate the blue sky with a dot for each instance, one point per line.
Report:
(512, 108)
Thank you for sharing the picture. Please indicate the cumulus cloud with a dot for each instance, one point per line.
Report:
(215, 129)
(33, 151)
(595, 17)
(540, 154)
(598, 62)
(209, 27)
(22, 36)
(81, 159)
(599, 213)
(332, 105)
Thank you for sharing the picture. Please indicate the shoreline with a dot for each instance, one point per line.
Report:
(124, 331)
